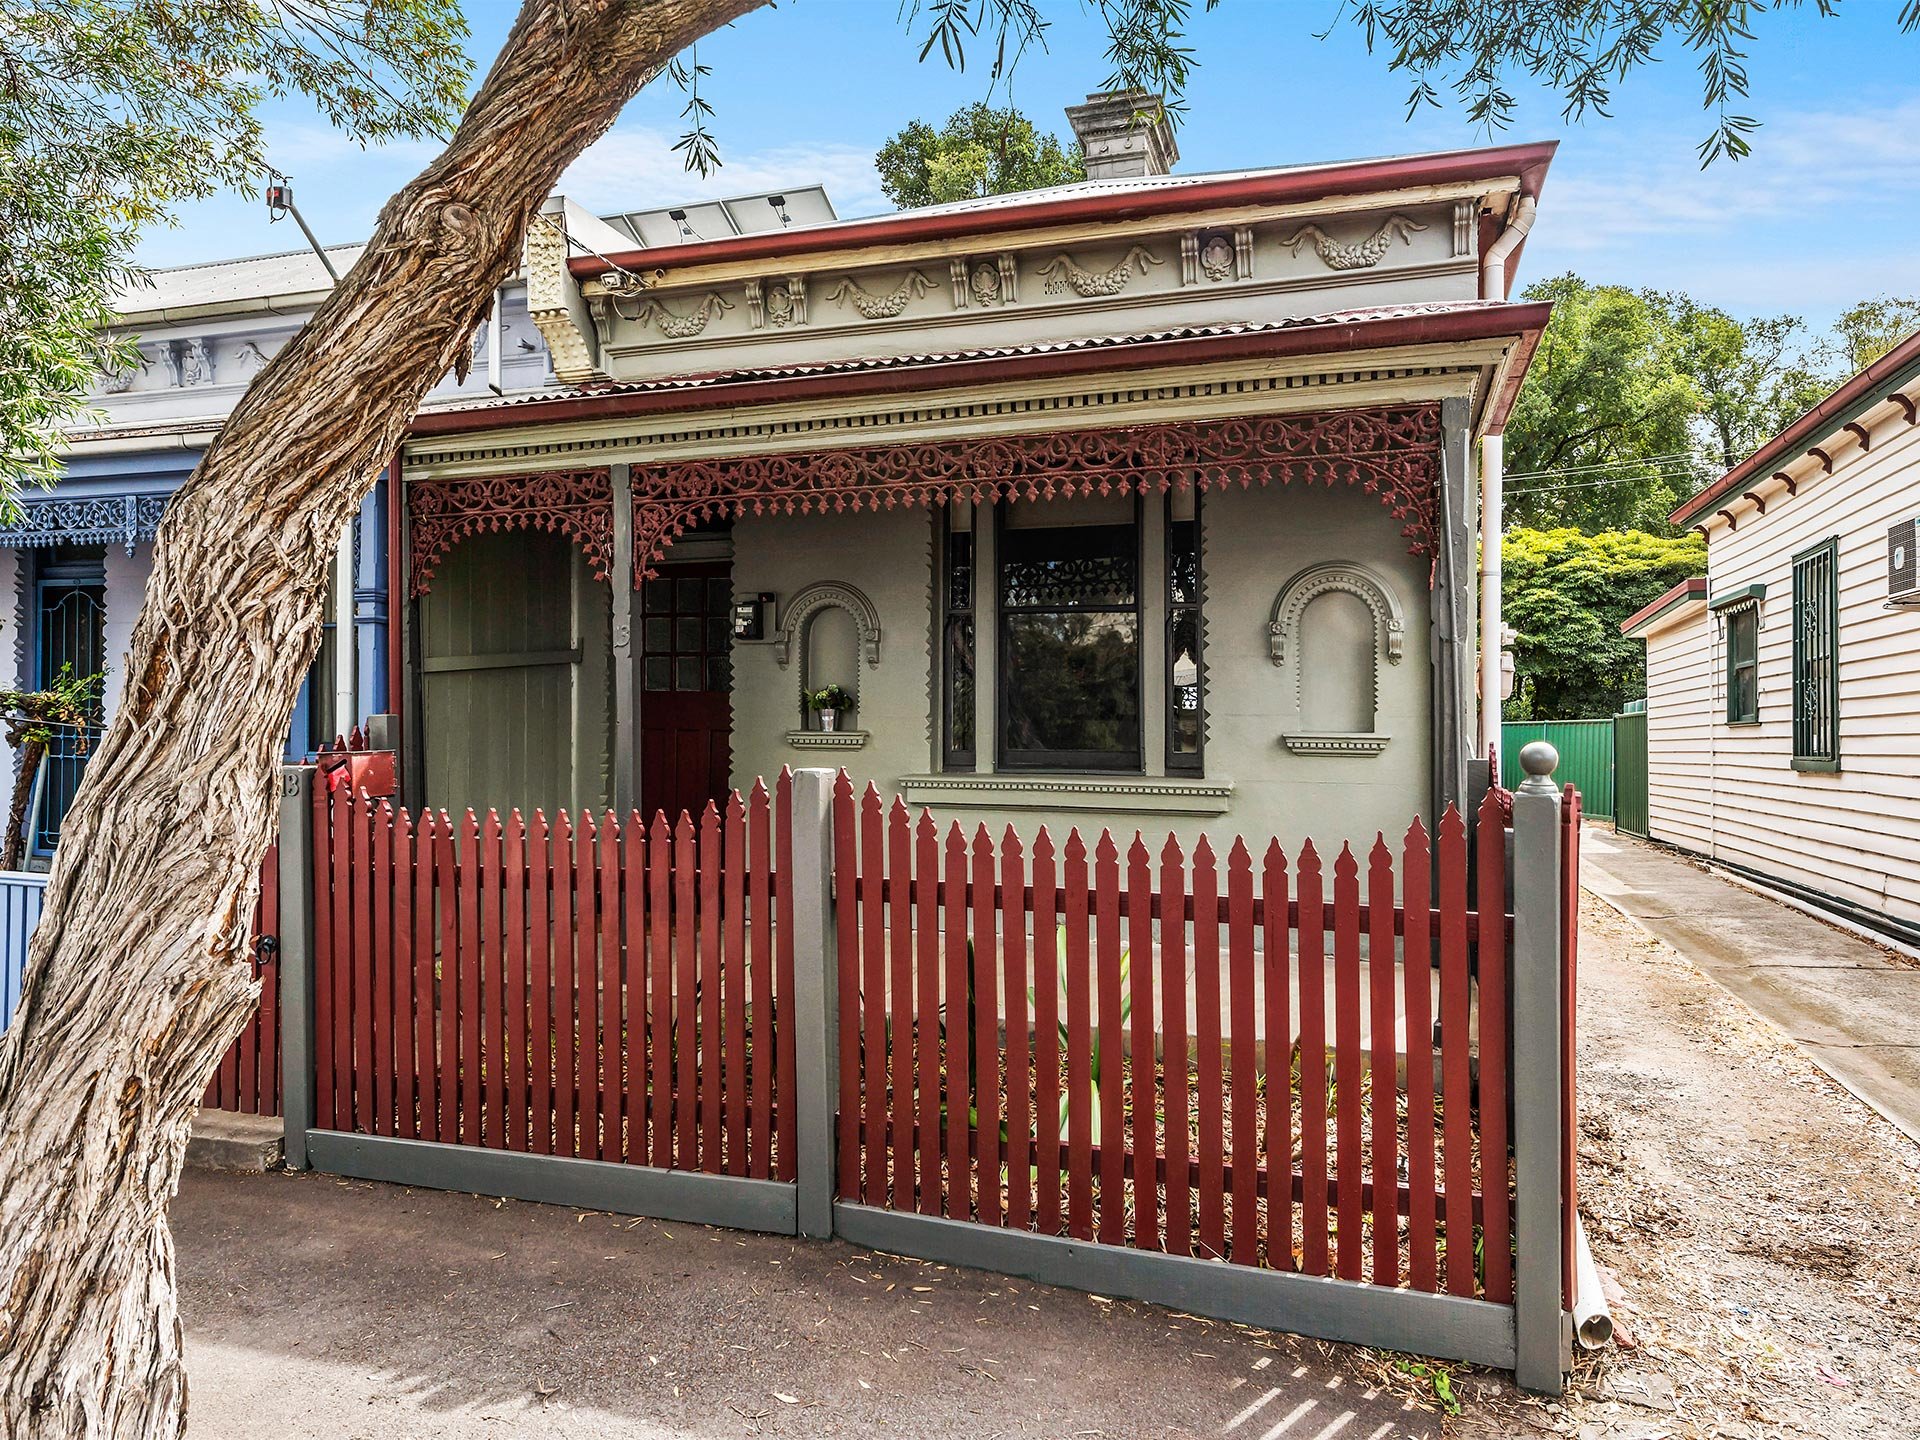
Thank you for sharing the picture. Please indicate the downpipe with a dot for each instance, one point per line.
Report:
(1592, 1321)
(1493, 265)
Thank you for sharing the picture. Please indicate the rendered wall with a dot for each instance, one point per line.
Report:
(1254, 541)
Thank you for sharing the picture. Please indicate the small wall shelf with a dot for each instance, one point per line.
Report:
(1304, 743)
(826, 739)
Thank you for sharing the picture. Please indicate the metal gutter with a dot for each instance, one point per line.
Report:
(1879, 382)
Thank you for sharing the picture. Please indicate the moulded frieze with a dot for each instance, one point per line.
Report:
(1357, 255)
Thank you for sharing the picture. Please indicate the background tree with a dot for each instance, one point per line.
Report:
(981, 150)
(1865, 332)
(114, 111)
(1600, 436)
(1566, 593)
(1753, 377)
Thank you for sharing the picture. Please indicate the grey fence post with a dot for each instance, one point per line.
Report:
(1543, 1336)
(295, 958)
(815, 998)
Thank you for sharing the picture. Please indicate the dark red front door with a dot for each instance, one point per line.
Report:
(686, 712)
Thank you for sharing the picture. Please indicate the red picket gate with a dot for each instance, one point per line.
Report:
(601, 989)
(1104, 1046)
(248, 1078)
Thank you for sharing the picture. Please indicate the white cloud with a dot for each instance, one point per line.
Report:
(1815, 219)
(637, 168)
(1812, 169)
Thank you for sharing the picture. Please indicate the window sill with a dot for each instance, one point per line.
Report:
(1740, 724)
(1816, 765)
(1321, 743)
(1150, 794)
(826, 739)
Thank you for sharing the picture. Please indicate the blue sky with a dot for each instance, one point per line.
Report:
(1824, 213)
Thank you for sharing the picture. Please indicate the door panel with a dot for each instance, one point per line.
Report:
(686, 706)
(514, 700)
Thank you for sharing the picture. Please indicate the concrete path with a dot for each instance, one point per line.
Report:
(322, 1307)
(1853, 1006)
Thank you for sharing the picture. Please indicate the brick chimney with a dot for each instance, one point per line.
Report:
(1124, 135)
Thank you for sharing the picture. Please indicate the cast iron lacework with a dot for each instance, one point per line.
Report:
(441, 513)
(99, 520)
(1051, 580)
(1391, 452)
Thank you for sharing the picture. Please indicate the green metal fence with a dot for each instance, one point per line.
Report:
(1630, 770)
(1586, 757)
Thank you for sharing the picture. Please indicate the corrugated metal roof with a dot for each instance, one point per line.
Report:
(858, 364)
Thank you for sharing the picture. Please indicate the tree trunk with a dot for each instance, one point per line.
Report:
(138, 977)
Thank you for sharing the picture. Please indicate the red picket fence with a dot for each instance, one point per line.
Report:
(1103, 1046)
(603, 989)
(248, 1079)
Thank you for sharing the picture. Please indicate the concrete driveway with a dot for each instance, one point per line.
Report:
(1852, 1005)
(321, 1307)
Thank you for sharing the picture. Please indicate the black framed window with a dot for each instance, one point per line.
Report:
(1186, 667)
(956, 644)
(1743, 665)
(1069, 638)
(1816, 669)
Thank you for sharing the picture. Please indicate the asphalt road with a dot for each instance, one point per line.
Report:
(320, 1307)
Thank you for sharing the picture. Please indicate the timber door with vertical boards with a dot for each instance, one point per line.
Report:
(516, 677)
(686, 683)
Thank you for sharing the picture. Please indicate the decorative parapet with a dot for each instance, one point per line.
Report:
(96, 520)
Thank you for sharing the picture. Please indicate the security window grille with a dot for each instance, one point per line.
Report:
(1816, 675)
(1186, 671)
(1070, 646)
(1743, 665)
(69, 639)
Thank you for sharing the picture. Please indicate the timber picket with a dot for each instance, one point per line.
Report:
(591, 987)
(1101, 1047)
(248, 1076)
(1497, 1231)
(1078, 1039)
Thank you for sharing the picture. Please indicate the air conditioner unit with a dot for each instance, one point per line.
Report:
(1903, 563)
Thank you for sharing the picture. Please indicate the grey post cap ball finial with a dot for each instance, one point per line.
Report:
(1538, 758)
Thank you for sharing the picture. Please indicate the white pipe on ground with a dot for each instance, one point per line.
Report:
(1592, 1322)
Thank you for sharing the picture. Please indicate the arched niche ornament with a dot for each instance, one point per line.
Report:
(1284, 643)
(815, 598)
(1283, 624)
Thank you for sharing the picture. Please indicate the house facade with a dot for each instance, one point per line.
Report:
(1783, 735)
(1147, 502)
(73, 568)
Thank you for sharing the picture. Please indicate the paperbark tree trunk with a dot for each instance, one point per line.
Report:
(138, 978)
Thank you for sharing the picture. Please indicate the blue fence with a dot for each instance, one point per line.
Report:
(20, 897)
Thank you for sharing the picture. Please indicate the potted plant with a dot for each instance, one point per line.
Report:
(827, 702)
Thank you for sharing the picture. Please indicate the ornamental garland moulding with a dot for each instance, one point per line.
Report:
(880, 307)
(1361, 255)
(1063, 272)
(1389, 452)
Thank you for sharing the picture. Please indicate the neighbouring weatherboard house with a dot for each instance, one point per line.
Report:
(1783, 726)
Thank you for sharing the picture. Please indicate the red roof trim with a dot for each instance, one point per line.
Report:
(1692, 589)
(1521, 321)
(1830, 414)
(1527, 161)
